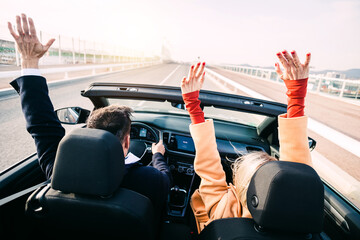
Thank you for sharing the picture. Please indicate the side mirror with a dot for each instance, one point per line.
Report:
(72, 115)
(312, 143)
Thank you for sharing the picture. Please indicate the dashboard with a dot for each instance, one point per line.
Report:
(233, 140)
(143, 132)
(181, 143)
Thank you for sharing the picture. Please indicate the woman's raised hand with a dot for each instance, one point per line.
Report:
(296, 90)
(293, 68)
(195, 79)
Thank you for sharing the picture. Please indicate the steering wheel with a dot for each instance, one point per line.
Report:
(139, 147)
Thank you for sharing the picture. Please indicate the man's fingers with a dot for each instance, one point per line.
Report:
(25, 24)
(32, 27)
(307, 60)
(18, 26)
(15, 36)
(49, 43)
(278, 70)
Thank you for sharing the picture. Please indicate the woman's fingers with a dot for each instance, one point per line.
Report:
(296, 59)
(293, 69)
(201, 71)
(202, 79)
(307, 60)
(278, 70)
(196, 70)
(283, 60)
(191, 73)
(183, 81)
(288, 58)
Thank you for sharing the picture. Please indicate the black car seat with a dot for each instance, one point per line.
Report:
(84, 198)
(286, 201)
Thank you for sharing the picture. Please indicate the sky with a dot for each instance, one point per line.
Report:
(227, 31)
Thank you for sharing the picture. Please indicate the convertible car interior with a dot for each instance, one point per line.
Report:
(84, 200)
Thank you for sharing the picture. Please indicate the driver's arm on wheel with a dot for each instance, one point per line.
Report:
(158, 160)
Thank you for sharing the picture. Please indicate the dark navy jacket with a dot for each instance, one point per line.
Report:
(45, 128)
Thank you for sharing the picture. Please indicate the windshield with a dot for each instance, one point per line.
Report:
(210, 112)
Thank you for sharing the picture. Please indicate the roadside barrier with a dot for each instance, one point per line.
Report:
(342, 88)
(109, 68)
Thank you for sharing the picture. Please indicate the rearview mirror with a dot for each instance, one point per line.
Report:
(72, 115)
(312, 143)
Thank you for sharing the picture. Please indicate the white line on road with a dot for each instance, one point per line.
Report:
(165, 79)
(349, 144)
(162, 82)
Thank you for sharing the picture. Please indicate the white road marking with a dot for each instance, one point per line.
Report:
(162, 82)
(165, 79)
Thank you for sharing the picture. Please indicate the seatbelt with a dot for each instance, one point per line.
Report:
(22, 193)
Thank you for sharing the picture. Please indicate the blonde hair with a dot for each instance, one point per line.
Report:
(244, 168)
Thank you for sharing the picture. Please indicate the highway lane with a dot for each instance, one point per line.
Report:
(341, 116)
(16, 143)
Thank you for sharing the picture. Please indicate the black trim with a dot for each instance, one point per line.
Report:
(96, 92)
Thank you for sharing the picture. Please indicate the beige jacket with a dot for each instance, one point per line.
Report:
(216, 199)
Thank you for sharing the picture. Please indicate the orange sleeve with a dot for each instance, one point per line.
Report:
(293, 137)
(207, 165)
(296, 92)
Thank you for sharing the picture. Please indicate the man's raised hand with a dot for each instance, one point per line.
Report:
(28, 44)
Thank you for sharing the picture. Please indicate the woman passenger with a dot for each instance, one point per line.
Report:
(215, 198)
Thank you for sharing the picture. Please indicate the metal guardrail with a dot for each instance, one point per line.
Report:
(342, 88)
(111, 68)
(93, 67)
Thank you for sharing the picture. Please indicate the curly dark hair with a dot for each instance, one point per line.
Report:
(114, 118)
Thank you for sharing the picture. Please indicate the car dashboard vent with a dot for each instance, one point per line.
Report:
(253, 149)
(166, 137)
(258, 139)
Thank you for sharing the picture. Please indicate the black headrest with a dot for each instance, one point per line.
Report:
(287, 196)
(88, 161)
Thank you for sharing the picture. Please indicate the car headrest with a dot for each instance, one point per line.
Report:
(287, 196)
(88, 161)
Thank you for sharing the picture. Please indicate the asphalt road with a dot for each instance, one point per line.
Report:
(16, 143)
(339, 115)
